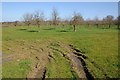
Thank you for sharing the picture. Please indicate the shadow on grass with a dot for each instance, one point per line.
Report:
(49, 29)
(33, 31)
(29, 30)
(22, 29)
(63, 31)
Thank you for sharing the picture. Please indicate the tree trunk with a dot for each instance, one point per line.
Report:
(88, 25)
(118, 26)
(28, 25)
(97, 25)
(109, 25)
(15, 25)
(74, 28)
(38, 25)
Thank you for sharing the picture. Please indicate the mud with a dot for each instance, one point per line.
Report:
(78, 54)
(88, 74)
(79, 60)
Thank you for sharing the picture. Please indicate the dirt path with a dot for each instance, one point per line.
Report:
(8, 58)
(77, 65)
(39, 71)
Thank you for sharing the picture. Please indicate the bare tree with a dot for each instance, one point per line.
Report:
(89, 22)
(15, 23)
(27, 18)
(55, 17)
(77, 19)
(96, 21)
(104, 22)
(38, 18)
(109, 20)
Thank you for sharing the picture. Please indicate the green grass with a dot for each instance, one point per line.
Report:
(100, 45)
(16, 69)
(59, 66)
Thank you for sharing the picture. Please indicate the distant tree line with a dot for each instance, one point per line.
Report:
(38, 18)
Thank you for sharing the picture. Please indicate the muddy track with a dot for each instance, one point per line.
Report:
(39, 74)
(80, 55)
(78, 64)
(87, 72)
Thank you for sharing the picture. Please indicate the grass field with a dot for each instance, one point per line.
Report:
(24, 43)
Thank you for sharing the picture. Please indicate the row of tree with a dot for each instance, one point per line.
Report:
(38, 18)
